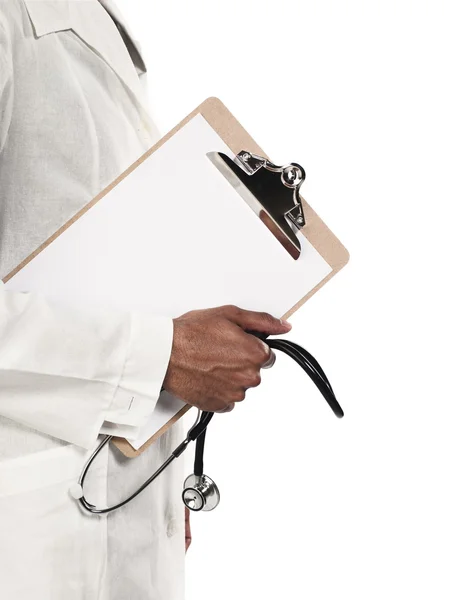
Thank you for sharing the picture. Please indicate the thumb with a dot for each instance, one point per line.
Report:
(262, 322)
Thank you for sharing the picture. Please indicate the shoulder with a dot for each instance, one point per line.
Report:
(5, 40)
(10, 11)
(15, 27)
(13, 16)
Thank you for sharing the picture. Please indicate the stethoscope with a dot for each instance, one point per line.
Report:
(199, 491)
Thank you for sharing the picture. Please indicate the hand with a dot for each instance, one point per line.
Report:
(187, 528)
(214, 361)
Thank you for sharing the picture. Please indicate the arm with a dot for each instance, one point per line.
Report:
(71, 374)
(65, 372)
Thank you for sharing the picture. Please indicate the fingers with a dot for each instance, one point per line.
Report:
(215, 359)
(257, 321)
(187, 528)
(228, 408)
(263, 356)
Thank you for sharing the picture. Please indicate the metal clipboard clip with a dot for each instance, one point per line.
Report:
(272, 192)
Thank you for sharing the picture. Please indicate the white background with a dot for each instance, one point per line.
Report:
(358, 93)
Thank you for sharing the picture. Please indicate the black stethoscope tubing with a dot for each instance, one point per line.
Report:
(310, 365)
(198, 430)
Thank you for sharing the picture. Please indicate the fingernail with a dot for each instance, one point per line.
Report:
(269, 364)
(286, 324)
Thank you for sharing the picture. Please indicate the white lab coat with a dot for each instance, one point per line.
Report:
(72, 118)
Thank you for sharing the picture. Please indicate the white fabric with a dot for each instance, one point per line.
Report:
(65, 373)
(72, 118)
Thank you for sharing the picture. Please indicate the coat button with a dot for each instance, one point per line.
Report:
(172, 527)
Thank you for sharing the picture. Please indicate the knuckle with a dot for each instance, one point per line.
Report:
(238, 396)
(266, 317)
(263, 353)
(231, 309)
(252, 378)
(228, 408)
(256, 379)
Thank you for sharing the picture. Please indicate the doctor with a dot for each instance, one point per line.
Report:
(72, 118)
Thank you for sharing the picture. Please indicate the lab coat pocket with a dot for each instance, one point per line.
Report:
(49, 548)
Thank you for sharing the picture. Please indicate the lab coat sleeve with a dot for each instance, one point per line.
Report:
(66, 372)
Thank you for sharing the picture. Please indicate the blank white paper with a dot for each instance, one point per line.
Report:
(171, 237)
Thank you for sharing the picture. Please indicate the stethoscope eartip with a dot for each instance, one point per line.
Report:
(76, 491)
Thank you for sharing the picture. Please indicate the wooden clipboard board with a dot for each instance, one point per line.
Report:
(237, 139)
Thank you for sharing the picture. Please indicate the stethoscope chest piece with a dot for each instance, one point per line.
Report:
(200, 493)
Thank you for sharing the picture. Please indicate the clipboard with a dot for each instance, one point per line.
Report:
(316, 235)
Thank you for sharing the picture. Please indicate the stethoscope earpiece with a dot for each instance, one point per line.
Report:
(200, 493)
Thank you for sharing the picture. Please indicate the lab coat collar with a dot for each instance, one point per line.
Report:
(136, 54)
(50, 16)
